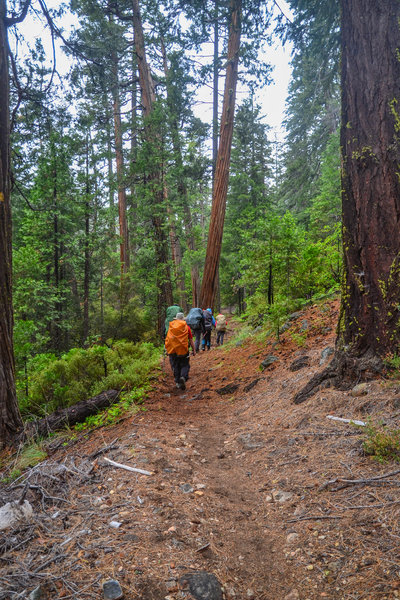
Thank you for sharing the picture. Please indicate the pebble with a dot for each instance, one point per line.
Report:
(292, 538)
(359, 390)
(186, 488)
(36, 594)
(293, 595)
(115, 524)
(112, 590)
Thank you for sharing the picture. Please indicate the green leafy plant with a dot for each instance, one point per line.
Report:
(80, 374)
(381, 442)
(299, 339)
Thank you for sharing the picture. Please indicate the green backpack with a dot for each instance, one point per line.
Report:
(170, 315)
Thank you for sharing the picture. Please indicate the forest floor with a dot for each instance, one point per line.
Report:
(245, 485)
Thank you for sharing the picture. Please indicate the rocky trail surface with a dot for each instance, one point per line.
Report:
(249, 496)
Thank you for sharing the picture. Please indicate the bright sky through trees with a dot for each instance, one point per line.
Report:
(271, 98)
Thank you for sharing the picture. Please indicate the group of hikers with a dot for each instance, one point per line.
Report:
(194, 330)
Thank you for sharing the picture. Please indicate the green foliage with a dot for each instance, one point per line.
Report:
(80, 374)
(382, 442)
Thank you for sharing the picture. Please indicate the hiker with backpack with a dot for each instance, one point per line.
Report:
(171, 313)
(195, 320)
(209, 323)
(221, 324)
(177, 341)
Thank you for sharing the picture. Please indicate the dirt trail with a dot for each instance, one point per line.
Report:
(239, 487)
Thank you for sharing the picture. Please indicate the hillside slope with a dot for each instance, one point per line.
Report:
(245, 485)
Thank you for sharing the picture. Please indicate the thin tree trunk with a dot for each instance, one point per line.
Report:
(86, 277)
(119, 159)
(134, 148)
(154, 179)
(10, 418)
(216, 228)
(215, 92)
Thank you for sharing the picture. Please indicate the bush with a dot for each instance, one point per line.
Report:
(80, 374)
(382, 443)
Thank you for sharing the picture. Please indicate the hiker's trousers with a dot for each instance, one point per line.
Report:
(197, 336)
(220, 337)
(180, 366)
(206, 341)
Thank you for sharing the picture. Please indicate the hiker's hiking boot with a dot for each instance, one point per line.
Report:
(182, 383)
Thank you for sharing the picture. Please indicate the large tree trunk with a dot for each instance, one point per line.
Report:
(208, 288)
(10, 419)
(370, 315)
(369, 324)
(154, 178)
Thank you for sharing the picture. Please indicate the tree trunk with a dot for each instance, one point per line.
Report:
(215, 91)
(154, 178)
(68, 417)
(369, 323)
(370, 311)
(86, 276)
(216, 228)
(119, 159)
(10, 419)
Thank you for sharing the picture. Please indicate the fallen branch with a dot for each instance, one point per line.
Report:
(126, 467)
(361, 507)
(315, 517)
(358, 481)
(353, 421)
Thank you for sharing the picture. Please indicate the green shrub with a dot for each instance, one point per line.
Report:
(382, 443)
(80, 374)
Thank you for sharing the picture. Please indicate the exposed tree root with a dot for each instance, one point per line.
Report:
(343, 372)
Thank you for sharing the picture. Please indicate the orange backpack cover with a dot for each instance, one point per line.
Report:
(176, 341)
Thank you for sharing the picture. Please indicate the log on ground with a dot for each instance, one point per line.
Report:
(67, 417)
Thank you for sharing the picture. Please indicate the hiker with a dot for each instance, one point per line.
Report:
(170, 314)
(195, 320)
(177, 342)
(221, 324)
(209, 323)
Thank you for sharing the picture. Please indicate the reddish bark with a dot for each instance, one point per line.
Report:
(370, 315)
(10, 419)
(369, 324)
(208, 288)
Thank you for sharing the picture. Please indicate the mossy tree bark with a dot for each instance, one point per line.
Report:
(369, 324)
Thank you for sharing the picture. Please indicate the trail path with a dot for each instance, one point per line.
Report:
(239, 487)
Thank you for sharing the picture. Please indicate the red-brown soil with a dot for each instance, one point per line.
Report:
(215, 500)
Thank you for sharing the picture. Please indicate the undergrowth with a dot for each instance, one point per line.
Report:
(381, 442)
(55, 383)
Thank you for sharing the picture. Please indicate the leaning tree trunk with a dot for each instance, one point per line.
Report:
(10, 419)
(220, 190)
(369, 325)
